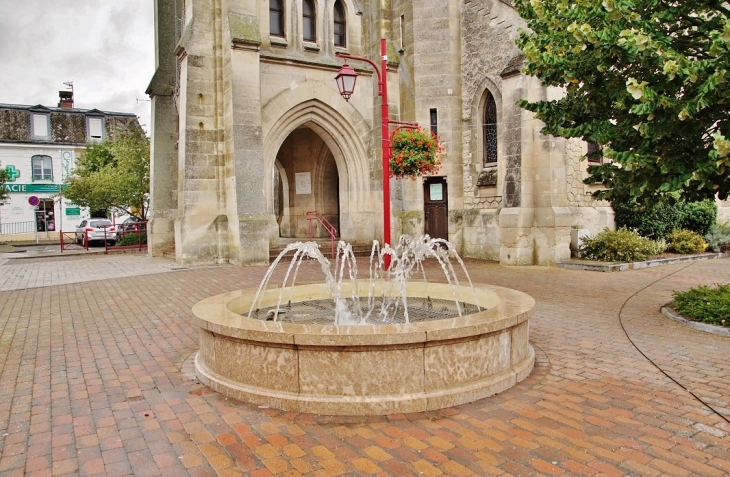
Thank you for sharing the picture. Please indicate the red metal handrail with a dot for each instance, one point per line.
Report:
(72, 242)
(315, 215)
(134, 229)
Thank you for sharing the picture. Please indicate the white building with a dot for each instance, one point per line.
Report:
(38, 149)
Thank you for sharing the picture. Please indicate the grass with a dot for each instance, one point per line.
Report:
(706, 304)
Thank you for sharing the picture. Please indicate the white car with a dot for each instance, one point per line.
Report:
(96, 229)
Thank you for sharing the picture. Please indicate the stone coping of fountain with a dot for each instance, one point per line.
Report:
(226, 314)
(364, 369)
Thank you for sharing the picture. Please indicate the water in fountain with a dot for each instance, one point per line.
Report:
(407, 259)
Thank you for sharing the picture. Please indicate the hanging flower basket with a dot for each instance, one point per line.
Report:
(414, 153)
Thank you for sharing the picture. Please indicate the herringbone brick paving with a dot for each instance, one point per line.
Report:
(97, 378)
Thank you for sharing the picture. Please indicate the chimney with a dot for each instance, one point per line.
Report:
(66, 99)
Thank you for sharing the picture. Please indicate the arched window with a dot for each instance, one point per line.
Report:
(490, 130)
(276, 17)
(340, 25)
(309, 21)
(42, 168)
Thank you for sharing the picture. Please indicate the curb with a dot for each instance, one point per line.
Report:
(670, 313)
(622, 267)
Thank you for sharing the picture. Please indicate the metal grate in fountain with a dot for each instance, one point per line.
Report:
(321, 312)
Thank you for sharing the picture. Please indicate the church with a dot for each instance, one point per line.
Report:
(251, 137)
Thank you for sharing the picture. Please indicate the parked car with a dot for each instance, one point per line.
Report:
(130, 225)
(96, 229)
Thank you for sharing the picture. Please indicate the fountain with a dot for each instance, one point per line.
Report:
(394, 344)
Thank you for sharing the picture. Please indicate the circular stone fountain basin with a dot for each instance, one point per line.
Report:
(364, 369)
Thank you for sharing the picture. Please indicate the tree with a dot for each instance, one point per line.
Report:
(644, 79)
(113, 174)
(4, 194)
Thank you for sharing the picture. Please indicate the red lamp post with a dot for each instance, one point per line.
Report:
(346, 79)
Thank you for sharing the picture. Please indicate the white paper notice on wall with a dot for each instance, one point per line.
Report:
(304, 182)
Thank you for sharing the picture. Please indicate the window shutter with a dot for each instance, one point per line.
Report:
(95, 128)
(40, 125)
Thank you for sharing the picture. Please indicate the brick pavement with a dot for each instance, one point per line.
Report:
(96, 377)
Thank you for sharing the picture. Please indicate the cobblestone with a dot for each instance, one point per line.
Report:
(97, 378)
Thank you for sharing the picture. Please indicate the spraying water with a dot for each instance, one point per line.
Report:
(407, 258)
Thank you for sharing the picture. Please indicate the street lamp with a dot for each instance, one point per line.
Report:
(346, 79)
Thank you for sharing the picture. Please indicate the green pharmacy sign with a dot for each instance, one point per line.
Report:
(12, 172)
(23, 188)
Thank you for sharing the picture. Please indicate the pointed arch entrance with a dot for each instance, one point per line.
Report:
(341, 159)
(306, 178)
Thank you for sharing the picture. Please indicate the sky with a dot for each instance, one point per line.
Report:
(105, 47)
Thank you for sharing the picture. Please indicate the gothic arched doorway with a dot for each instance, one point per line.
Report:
(305, 179)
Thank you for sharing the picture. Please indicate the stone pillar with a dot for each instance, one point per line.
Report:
(201, 150)
(250, 221)
(163, 153)
(553, 218)
(517, 214)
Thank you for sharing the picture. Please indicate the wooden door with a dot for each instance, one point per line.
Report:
(436, 207)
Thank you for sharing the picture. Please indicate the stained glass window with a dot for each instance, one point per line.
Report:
(594, 153)
(490, 130)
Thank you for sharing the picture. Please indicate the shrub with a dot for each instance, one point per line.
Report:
(620, 246)
(660, 219)
(133, 239)
(698, 216)
(709, 305)
(686, 241)
(718, 238)
(654, 221)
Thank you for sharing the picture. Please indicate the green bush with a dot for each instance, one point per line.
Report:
(686, 241)
(133, 239)
(660, 219)
(718, 238)
(699, 216)
(620, 246)
(653, 221)
(709, 305)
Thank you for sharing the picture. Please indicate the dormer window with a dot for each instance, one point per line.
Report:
(40, 127)
(95, 128)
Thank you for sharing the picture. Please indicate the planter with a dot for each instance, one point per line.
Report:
(414, 153)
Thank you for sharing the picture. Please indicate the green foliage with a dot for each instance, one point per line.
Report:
(414, 153)
(132, 238)
(620, 245)
(113, 174)
(644, 80)
(98, 155)
(709, 305)
(686, 241)
(649, 220)
(4, 194)
(718, 238)
(699, 216)
(658, 219)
